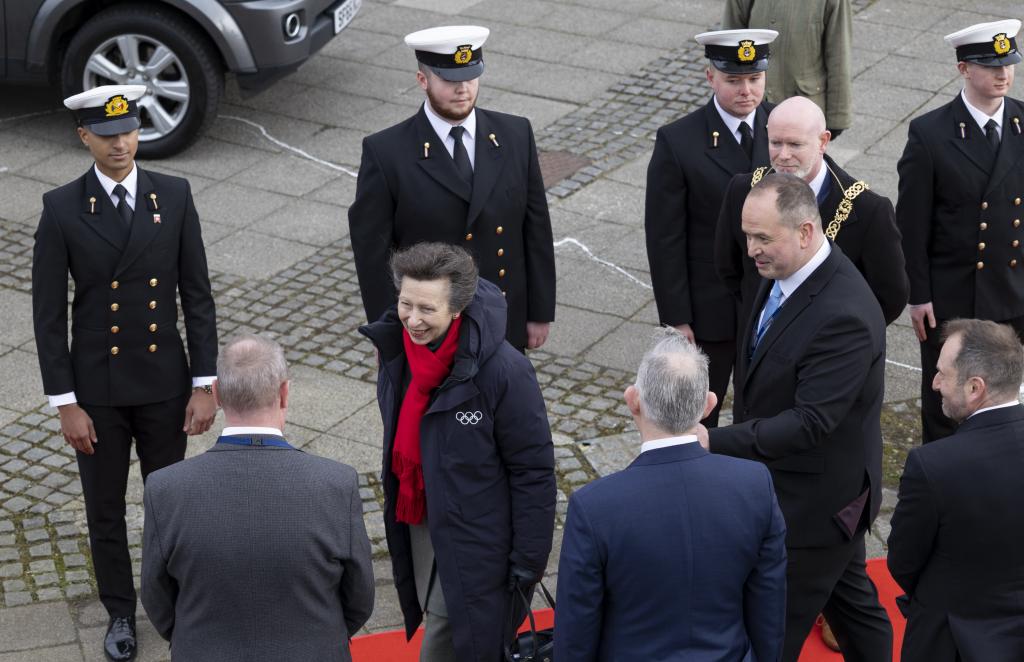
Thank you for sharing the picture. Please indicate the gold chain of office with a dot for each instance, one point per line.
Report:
(842, 212)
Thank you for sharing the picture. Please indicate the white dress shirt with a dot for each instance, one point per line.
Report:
(982, 119)
(819, 179)
(789, 284)
(1011, 403)
(655, 444)
(443, 127)
(246, 430)
(733, 123)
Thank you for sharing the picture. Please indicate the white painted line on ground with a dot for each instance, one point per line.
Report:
(903, 365)
(295, 150)
(3, 169)
(590, 254)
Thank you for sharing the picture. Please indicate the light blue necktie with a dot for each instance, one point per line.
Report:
(770, 308)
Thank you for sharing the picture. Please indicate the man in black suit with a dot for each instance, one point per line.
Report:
(694, 158)
(809, 392)
(461, 175)
(131, 241)
(955, 545)
(858, 220)
(959, 207)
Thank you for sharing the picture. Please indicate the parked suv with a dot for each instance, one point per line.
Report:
(179, 49)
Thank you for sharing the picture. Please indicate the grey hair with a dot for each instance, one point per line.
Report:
(438, 261)
(794, 199)
(250, 371)
(987, 350)
(673, 382)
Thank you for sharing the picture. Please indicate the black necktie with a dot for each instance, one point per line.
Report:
(992, 135)
(122, 205)
(460, 155)
(747, 140)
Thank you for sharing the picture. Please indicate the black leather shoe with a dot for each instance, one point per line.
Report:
(119, 644)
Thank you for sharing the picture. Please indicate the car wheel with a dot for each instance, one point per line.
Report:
(149, 45)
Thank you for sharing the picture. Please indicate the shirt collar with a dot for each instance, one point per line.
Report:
(244, 430)
(819, 179)
(980, 117)
(788, 285)
(443, 127)
(130, 183)
(1011, 403)
(733, 123)
(655, 444)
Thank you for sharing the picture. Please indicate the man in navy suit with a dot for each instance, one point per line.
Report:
(956, 535)
(681, 555)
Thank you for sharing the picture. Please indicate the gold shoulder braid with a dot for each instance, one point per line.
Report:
(844, 209)
(758, 175)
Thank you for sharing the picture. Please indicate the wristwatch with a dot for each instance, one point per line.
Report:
(207, 388)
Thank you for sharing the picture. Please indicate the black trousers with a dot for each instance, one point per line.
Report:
(721, 357)
(935, 424)
(833, 581)
(160, 441)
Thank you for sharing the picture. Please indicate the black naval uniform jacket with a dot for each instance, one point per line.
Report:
(407, 194)
(125, 345)
(960, 210)
(686, 180)
(869, 237)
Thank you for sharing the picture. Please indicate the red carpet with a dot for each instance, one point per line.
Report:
(392, 647)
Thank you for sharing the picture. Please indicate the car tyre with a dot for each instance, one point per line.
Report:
(181, 67)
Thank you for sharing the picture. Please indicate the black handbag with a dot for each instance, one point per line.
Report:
(532, 646)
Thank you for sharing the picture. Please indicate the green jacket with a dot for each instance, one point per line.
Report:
(811, 56)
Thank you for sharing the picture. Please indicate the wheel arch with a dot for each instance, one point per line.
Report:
(56, 21)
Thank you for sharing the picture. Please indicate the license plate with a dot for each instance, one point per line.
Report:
(344, 14)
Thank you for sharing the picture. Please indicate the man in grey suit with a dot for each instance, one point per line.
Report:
(255, 550)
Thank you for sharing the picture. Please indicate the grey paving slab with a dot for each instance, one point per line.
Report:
(306, 221)
(886, 101)
(656, 32)
(381, 83)
(588, 21)
(22, 388)
(60, 168)
(255, 255)
(541, 112)
(864, 58)
(623, 348)
(547, 79)
(17, 315)
(363, 458)
(336, 145)
(340, 192)
(399, 21)
(633, 173)
(898, 12)
(320, 401)
(287, 174)
(65, 653)
(215, 159)
(610, 56)
(45, 625)
(440, 6)
(610, 454)
(19, 151)
(21, 197)
(383, 114)
(694, 12)
(565, 223)
(313, 104)
(579, 283)
(363, 426)
(576, 329)
(625, 248)
(612, 201)
(522, 12)
(235, 124)
(929, 74)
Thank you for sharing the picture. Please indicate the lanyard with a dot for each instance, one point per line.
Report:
(255, 440)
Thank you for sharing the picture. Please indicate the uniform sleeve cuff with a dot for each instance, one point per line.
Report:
(62, 399)
(202, 381)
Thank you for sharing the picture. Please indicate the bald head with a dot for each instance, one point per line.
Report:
(797, 138)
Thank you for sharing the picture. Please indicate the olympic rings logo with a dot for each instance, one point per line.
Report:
(468, 417)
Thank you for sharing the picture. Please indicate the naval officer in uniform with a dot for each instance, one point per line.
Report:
(461, 175)
(960, 203)
(694, 158)
(130, 240)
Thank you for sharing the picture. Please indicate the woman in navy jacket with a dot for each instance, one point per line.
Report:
(468, 468)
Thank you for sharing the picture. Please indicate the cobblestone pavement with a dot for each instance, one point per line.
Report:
(596, 77)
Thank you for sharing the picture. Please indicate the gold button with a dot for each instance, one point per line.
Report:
(501, 251)
(981, 246)
(1016, 201)
(152, 305)
(499, 230)
(114, 350)
(152, 328)
(115, 329)
(114, 285)
(1013, 263)
(504, 293)
(984, 205)
(1015, 243)
(1016, 222)
(152, 348)
(152, 282)
(501, 273)
(469, 237)
(980, 265)
(983, 226)
(114, 307)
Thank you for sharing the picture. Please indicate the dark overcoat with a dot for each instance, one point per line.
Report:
(488, 468)
(124, 317)
(408, 194)
(956, 541)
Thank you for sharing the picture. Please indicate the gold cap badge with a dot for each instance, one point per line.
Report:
(464, 54)
(746, 52)
(1001, 44)
(116, 105)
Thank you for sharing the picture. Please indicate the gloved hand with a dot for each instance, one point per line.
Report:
(835, 133)
(520, 576)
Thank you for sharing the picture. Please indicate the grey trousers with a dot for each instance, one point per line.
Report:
(437, 643)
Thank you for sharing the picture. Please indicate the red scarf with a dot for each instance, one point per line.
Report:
(428, 370)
